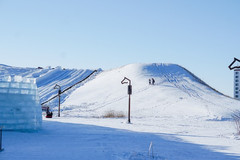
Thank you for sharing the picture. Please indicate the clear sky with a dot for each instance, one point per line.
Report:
(200, 35)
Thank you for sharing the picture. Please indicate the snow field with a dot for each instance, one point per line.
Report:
(102, 139)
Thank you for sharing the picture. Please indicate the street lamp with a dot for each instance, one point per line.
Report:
(236, 67)
(129, 94)
(59, 96)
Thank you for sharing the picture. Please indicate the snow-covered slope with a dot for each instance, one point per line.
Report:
(63, 77)
(176, 92)
(47, 78)
(183, 117)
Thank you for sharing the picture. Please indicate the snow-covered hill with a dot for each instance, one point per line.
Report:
(176, 92)
(47, 78)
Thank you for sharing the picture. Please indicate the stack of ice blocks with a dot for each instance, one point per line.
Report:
(19, 104)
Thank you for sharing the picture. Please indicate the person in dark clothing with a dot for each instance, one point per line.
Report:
(153, 81)
(149, 81)
(48, 113)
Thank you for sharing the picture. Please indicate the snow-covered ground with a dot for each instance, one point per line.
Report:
(182, 116)
(103, 139)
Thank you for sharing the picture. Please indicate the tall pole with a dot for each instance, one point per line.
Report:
(129, 95)
(59, 105)
(129, 106)
(59, 97)
(236, 68)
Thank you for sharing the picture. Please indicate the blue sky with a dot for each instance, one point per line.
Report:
(202, 36)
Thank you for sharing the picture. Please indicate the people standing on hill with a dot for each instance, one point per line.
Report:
(153, 81)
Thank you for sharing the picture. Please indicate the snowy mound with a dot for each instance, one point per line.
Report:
(176, 92)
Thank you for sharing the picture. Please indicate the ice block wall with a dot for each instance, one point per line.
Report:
(20, 108)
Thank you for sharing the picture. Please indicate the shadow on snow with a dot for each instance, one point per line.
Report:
(57, 141)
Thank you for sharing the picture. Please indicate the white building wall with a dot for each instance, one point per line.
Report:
(236, 84)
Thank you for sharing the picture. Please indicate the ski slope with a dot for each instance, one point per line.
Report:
(176, 92)
(47, 78)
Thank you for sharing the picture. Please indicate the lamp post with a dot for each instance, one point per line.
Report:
(59, 97)
(236, 67)
(129, 95)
